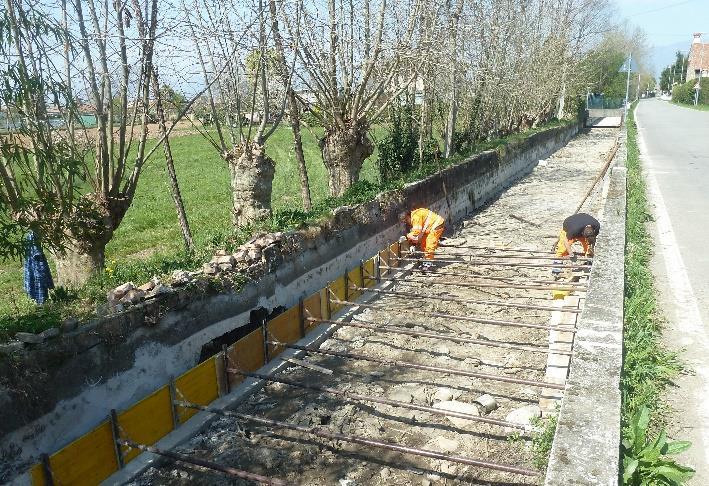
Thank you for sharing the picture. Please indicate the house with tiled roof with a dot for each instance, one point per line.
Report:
(698, 64)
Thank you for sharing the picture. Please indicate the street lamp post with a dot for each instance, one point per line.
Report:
(627, 85)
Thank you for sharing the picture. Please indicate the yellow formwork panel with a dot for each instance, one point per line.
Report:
(88, 460)
(147, 421)
(246, 354)
(370, 268)
(198, 385)
(393, 252)
(354, 279)
(311, 308)
(284, 328)
(338, 289)
(37, 475)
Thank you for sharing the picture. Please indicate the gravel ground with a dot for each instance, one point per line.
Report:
(545, 197)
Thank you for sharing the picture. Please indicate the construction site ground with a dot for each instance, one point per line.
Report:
(528, 215)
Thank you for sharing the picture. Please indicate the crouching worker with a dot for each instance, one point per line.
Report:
(582, 228)
(426, 230)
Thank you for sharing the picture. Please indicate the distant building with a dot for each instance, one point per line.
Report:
(698, 63)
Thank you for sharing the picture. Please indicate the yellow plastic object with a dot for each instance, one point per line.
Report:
(284, 328)
(559, 294)
(87, 461)
(147, 421)
(198, 385)
(246, 354)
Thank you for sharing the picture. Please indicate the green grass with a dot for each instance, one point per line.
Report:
(149, 241)
(700, 107)
(648, 367)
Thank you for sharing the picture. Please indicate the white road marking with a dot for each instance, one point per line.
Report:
(687, 317)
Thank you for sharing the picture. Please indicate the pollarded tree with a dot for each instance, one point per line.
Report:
(240, 100)
(70, 181)
(353, 59)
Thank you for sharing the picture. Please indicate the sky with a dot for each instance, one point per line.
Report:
(669, 24)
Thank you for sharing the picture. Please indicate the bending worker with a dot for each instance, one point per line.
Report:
(579, 227)
(426, 230)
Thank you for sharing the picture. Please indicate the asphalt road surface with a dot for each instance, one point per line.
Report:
(674, 146)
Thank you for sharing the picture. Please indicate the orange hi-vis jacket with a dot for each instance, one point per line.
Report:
(426, 230)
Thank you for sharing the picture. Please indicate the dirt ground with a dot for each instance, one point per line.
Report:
(545, 197)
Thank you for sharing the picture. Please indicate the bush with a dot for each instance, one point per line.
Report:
(398, 149)
(684, 93)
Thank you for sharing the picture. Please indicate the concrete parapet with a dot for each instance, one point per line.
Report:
(586, 445)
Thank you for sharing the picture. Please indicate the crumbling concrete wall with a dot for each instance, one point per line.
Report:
(58, 390)
(587, 441)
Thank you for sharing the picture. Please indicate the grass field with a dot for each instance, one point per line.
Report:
(150, 226)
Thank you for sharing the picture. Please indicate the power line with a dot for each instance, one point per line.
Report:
(661, 8)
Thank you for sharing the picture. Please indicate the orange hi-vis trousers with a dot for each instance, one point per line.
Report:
(426, 231)
(561, 249)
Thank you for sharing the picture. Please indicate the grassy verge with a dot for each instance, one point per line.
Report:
(700, 107)
(648, 367)
(148, 241)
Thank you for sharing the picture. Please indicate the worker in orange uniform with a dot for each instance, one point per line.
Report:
(426, 231)
(579, 227)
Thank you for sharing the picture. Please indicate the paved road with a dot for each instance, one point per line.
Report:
(674, 145)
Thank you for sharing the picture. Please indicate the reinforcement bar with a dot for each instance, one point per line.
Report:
(449, 337)
(497, 303)
(383, 401)
(479, 320)
(229, 471)
(416, 366)
(320, 432)
(474, 284)
(498, 264)
(506, 256)
(492, 248)
(512, 280)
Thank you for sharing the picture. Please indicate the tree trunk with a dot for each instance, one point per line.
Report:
(344, 151)
(252, 174)
(78, 263)
(172, 175)
(298, 147)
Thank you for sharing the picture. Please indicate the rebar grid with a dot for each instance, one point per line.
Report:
(320, 432)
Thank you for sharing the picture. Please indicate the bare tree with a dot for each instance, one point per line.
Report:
(242, 100)
(352, 77)
(89, 200)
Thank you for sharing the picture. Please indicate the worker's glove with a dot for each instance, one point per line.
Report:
(412, 250)
(402, 239)
(572, 257)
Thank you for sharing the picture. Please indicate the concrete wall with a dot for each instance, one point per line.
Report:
(587, 442)
(59, 390)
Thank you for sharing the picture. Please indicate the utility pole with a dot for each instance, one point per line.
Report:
(627, 86)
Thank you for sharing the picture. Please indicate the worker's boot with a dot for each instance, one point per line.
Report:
(556, 271)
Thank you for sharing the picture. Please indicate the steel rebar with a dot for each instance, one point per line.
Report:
(498, 264)
(473, 284)
(320, 432)
(383, 401)
(446, 298)
(511, 257)
(416, 366)
(478, 320)
(512, 280)
(492, 248)
(456, 339)
(230, 471)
